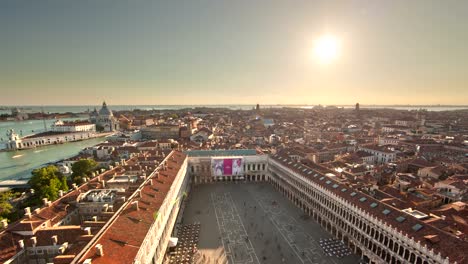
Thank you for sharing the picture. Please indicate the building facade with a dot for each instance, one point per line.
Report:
(379, 232)
(16, 142)
(78, 126)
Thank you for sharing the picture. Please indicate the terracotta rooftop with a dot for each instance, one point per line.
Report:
(122, 239)
(452, 247)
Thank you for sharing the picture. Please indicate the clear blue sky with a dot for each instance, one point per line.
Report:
(232, 52)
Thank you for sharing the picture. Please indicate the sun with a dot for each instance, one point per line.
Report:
(327, 49)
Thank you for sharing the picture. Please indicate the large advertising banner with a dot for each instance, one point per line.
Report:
(227, 166)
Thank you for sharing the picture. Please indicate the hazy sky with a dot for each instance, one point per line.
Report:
(232, 52)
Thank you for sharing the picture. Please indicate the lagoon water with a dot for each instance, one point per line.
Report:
(84, 108)
(19, 164)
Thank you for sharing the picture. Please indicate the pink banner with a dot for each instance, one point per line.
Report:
(228, 167)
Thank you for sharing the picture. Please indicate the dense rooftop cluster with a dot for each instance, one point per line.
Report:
(406, 168)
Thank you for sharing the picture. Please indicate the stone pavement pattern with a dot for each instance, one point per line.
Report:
(253, 223)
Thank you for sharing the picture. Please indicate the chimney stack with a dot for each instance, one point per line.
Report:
(27, 212)
(99, 250)
(61, 193)
(87, 231)
(33, 241)
(135, 203)
(21, 243)
(54, 240)
(95, 218)
(4, 223)
(45, 201)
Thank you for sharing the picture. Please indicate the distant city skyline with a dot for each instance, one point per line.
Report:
(232, 52)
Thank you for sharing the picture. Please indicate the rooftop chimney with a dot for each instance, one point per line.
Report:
(21, 243)
(4, 223)
(61, 193)
(87, 230)
(54, 240)
(44, 201)
(27, 212)
(135, 203)
(87, 261)
(62, 250)
(37, 210)
(33, 241)
(99, 250)
(95, 218)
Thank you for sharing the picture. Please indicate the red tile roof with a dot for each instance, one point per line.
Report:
(123, 237)
(453, 247)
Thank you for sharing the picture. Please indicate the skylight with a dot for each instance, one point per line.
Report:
(344, 190)
(328, 182)
(335, 186)
(310, 172)
(363, 199)
(417, 227)
(373, 205)
(353, 194)
(401, 219)
(321, 178)
(386, 212)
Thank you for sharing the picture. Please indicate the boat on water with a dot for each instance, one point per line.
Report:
(17, 156)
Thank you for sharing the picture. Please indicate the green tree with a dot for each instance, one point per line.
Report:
(82, 169)
(47, 182)
(5, 206)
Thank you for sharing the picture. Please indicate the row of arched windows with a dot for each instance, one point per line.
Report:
(337, 217)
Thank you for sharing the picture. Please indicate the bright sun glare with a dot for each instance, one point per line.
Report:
(326, 49)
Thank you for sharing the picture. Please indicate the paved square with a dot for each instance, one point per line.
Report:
(253, 223)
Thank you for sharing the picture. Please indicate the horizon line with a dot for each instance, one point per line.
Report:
(412, 105)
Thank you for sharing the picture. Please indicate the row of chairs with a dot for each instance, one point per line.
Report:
(186, 248)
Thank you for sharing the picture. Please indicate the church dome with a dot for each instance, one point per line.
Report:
(104, 111)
